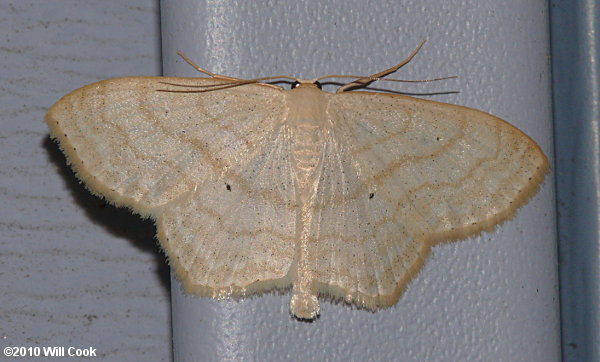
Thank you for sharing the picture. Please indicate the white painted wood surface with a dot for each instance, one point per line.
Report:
(73, 271)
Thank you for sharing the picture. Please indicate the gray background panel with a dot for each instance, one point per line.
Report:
(488, 298)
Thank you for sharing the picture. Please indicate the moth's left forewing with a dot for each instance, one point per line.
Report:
(139, 146)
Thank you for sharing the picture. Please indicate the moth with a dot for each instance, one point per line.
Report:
(253, 187)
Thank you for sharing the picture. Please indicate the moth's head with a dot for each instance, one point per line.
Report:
(306, 83)
(359, 80)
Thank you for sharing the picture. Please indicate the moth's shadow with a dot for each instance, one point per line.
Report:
(118, 221)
